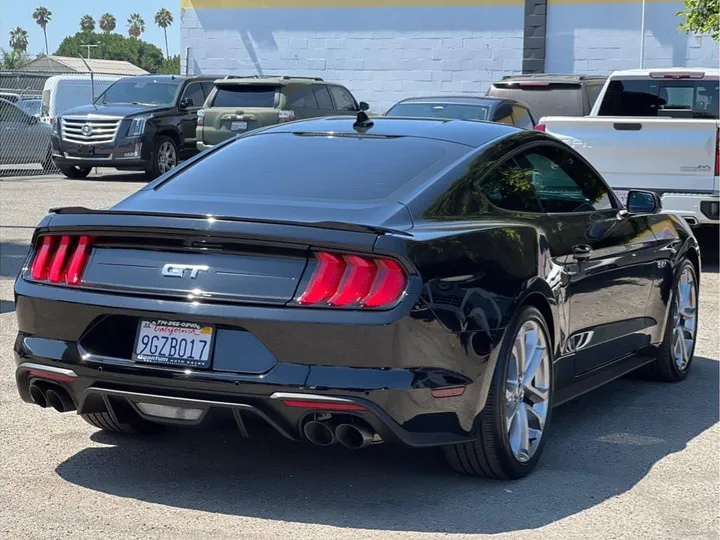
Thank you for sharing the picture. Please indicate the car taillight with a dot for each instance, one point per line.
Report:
(540, 127)
(61, 259)
(717, 153)
(354, 280)
(286, 116)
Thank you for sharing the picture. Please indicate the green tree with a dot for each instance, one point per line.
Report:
(12, 59)
(171, 65)
(43, 16)
(114, 47)
(163, 18)
(108, 23)
(701, 17)
(19, 39)
(135, 25)
(87, 23)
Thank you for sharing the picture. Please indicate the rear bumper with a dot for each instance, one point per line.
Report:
(389, 366)
(696, 208)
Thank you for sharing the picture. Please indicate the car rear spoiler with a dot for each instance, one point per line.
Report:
(336, 225)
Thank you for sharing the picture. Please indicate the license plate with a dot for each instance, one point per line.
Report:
(174, 343)
(238, 125)
(622, 195)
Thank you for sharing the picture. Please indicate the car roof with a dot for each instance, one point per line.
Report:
(164, 77)
(469, 133)
(281, 80)
(646, 72)
(551, 77)
(461, 100)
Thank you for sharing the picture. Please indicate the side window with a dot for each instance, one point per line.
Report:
(343, 99)
(323, 97)
(522, 117)
(194, 91)
(303, 96)
(562, 182)
(503, 115)
(510, 187)
(593, 90)
(207, 88)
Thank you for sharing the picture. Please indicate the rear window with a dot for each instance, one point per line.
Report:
(548, 100)
(251, 95)
(315, 167)
(668, 98)
(440, 110)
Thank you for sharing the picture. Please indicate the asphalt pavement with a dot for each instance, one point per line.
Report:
(631, 460)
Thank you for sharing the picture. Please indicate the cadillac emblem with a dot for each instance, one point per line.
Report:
(87, 130)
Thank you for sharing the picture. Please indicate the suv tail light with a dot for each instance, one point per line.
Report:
(354, 280)
(540, 127)
(286, 116)
(61, 259)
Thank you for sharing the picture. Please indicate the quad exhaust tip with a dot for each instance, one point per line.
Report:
(51, 395)
(38, 396)
(320, 433)
(354, 437)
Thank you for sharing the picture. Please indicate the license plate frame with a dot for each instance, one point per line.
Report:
(238, 125)
(185, 329)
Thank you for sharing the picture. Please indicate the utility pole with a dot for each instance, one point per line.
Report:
(88, 49)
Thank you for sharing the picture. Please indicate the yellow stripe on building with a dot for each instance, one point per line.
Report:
(239, 4)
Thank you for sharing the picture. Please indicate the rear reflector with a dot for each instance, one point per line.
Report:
(325, 405)
(61, 259)
(50, 376)
(354, 280)
(448, 392)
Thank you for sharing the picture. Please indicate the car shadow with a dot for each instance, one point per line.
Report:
(709, 241)
(600, 446)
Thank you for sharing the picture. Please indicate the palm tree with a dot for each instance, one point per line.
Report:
(19, 39)
(11, 59)
(87, 23)
(43, 16)
(107, 23)
(163, 18)
(136, 25)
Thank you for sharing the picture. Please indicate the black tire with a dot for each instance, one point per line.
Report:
(75, 173)
(131, 424)
(491, 455)
(155, 168)
(664, 368)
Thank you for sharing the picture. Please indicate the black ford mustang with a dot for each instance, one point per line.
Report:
(429, 282)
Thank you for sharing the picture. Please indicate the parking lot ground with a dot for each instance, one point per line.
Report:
(631, 460)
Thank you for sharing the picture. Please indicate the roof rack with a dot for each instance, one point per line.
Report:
(554, 75)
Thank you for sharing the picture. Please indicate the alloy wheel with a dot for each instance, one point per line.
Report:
(527, 390)
(167, 156)
(685, 319)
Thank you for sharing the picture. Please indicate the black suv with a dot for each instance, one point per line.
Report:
(550, 94)
(144, 123)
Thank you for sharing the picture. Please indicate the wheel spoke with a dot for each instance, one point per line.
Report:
(540, 418)
(522, 420)
(533, 364)
(520, 348)
(535, 394)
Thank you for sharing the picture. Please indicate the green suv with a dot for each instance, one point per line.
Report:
(240, 104)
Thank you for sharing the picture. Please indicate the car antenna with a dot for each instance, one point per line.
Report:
(362, 122)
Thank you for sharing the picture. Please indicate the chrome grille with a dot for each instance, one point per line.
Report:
(94, 130)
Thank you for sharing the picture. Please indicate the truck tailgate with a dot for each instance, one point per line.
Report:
(662, 154)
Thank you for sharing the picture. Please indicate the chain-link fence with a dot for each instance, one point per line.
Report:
(29, 104)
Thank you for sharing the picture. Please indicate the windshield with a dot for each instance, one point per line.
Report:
(146, 91)
(649, 97)
(251, 95)
(30, 106)
(440, 110)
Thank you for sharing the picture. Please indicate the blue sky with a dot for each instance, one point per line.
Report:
(66, 18)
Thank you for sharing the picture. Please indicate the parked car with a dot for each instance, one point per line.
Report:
(23, 139)
(417, 281)
(503, 111)
(546, 94)
(144, 123)
(655, 130)
(63, 92)
(241, 104)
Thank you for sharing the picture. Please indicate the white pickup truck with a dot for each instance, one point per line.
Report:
(657, 130)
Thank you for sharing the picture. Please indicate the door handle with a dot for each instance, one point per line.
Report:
(581, 252)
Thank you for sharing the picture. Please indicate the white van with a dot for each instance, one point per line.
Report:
(63, 92)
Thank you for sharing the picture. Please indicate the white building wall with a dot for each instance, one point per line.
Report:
(381, 54)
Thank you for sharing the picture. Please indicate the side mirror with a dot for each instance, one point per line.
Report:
(643, 202)
(186, 103)
(364, 106)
